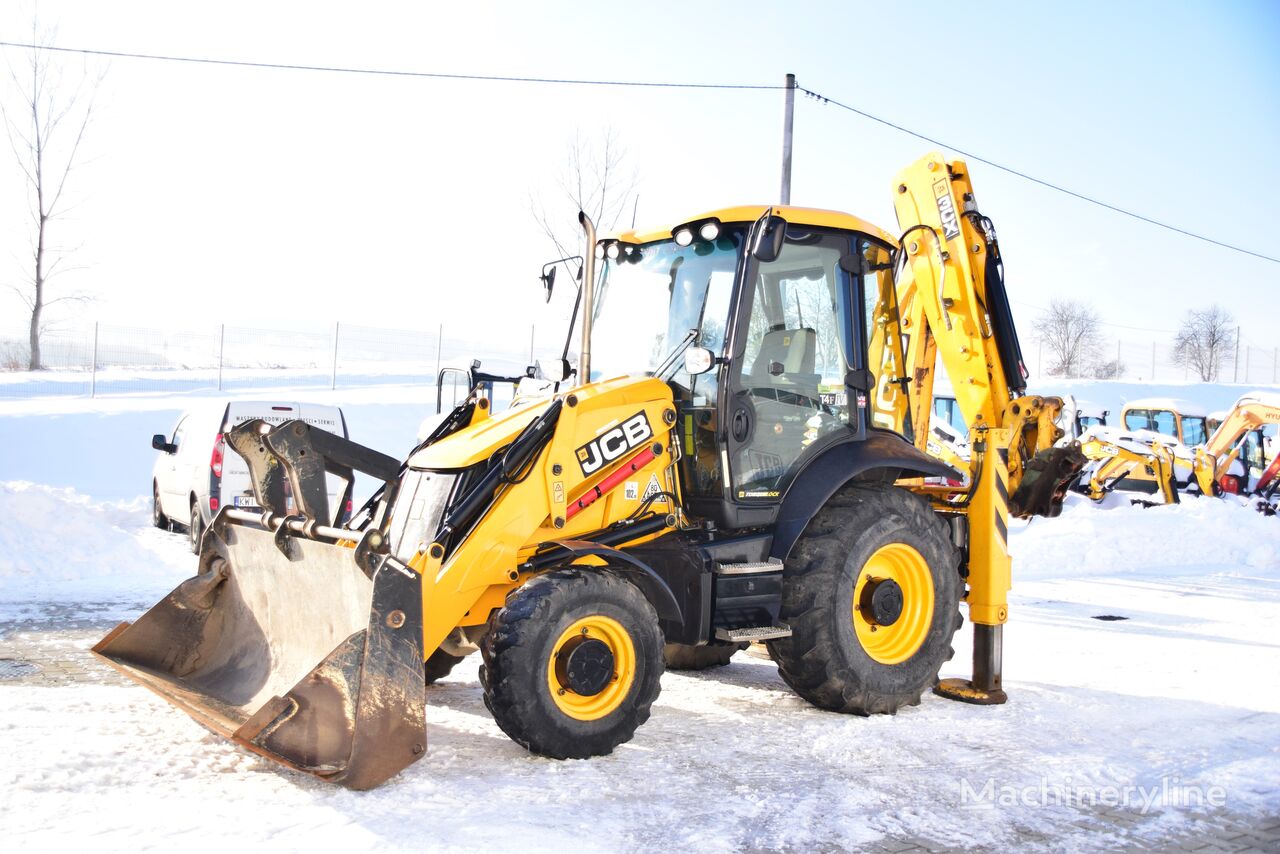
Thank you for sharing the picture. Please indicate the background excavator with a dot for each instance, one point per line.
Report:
(700, 486)
(1232, 460)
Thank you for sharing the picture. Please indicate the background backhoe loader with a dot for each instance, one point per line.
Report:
(701, 486)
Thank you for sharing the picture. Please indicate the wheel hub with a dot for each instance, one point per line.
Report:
(881, 601)
(585, 666)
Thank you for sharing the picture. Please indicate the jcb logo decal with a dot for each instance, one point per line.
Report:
(612, 444)
(946, 209)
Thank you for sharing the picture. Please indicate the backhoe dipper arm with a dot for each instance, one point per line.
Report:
(954, 308)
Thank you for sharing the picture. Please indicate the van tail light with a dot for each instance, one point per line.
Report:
(215, 462)
(213, 504)
(349, 505)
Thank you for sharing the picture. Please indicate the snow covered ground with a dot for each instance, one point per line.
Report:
(1170, 707)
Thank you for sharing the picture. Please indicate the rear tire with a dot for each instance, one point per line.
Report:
(679, 656)
(157, 515)
(438, 665)
(572, 663)
(196, 528)
(834, 659)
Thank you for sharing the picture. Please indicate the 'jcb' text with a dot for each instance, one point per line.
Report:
(612, 444)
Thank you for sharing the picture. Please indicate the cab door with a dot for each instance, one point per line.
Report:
(796, 336)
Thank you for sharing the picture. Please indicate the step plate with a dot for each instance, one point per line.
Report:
(755, 633)
(748, 568)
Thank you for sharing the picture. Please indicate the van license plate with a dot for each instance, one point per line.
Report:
(246, 501)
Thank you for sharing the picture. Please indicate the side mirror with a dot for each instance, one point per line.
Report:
(556, 371)
(548, 281)
(160, 443)
(698, 360)
(770, 233)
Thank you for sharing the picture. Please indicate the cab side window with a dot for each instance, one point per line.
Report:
(1137, 419)
(1165, 422)
(1193, 431)
(179, 433)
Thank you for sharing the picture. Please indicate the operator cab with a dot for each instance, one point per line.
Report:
(774, 307)
(1181, 420)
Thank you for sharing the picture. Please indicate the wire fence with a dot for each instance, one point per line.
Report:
(105, 359)
(1154, 361)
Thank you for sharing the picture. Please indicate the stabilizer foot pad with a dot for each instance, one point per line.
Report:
(964, 691)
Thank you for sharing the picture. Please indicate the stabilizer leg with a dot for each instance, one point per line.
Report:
(989, 574)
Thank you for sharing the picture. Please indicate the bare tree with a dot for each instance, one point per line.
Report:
(1203, 340)
(45, 125)
(596, 178)
(1069, 330)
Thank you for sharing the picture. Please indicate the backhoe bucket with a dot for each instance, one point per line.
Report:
(289, 647)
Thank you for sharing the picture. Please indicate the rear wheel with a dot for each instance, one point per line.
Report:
(572, 663)
(196, 528)
(157, 515)
(679, 656)
(871, 592)
(438, 665)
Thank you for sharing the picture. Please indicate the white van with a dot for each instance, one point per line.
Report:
(196, 473)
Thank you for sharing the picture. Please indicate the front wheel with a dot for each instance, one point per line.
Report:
(871, 592)
(157, 515)
(572, 663)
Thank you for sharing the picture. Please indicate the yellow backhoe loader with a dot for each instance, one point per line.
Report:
(700, 486)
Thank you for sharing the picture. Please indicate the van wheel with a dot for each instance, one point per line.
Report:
(157, 515)
(196, 528)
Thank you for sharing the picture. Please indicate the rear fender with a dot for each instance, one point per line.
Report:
(881, 453)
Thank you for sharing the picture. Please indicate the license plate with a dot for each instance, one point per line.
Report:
(246, 501)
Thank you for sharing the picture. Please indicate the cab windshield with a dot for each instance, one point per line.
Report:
(651, 295)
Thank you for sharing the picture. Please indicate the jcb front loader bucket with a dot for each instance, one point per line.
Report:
(289, 647)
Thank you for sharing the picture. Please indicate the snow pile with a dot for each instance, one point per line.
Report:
(59, 546)
(1197, 537)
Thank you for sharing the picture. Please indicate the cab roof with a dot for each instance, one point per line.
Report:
(750, 213)
(1173, 404)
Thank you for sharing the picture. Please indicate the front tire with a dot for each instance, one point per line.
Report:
(572, 663)
(871, 592)
(157, 515)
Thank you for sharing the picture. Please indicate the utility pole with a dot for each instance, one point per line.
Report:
(1235, 371)
(788, 119)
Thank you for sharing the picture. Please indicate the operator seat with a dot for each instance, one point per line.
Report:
(786, 364)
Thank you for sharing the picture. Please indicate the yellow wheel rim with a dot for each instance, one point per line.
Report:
(894, 643)
(611, 633)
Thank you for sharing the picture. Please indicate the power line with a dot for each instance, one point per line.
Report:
(435, 75)
(385, 72)
(824, 99)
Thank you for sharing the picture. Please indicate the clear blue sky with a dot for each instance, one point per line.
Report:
(399, 201)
